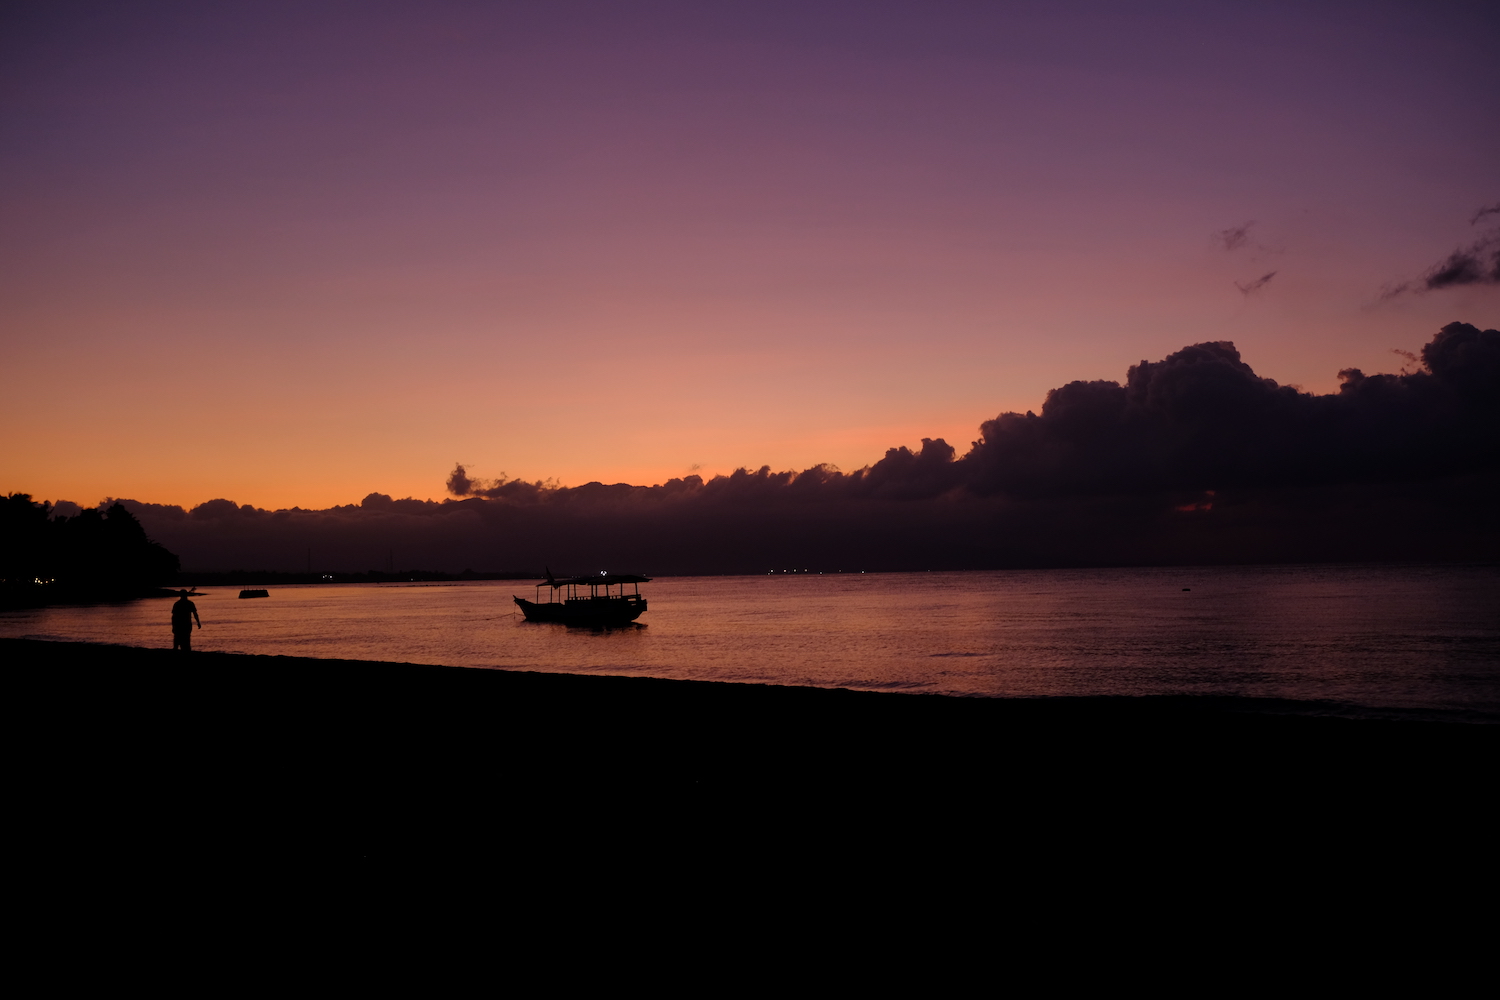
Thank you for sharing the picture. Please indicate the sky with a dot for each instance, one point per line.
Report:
(291, 254)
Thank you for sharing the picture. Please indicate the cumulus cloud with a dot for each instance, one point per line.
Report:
(459, 483)
(1203, 419)
(1195, 457)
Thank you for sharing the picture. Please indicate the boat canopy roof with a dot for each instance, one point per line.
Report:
(598, 580)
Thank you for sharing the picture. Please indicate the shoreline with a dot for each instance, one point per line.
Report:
(552, 683)
(367, 758)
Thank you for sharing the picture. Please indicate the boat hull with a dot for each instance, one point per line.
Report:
(587, 611)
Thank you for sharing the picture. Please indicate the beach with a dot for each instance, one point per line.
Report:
(360, 760)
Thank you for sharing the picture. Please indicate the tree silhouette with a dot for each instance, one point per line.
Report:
(98, 554)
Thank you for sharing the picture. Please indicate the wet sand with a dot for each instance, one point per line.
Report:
(216, 751)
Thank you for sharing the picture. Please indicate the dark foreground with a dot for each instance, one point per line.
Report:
(127, 750)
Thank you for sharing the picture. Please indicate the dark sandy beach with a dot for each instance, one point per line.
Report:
(368, 759)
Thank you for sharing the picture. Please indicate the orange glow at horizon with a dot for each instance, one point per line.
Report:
(292, 265)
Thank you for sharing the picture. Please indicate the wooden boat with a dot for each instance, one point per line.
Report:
(595, 609)
(255, 593)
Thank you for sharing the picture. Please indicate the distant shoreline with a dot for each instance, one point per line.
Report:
(16, 599)
(240, 578)
(274, 578)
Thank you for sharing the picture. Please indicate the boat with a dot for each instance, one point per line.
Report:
(594, 609)
(255, 593)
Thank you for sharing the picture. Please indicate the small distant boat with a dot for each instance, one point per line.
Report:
(255, 593)
(596, 609)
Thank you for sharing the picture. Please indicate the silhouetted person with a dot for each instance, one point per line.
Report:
(184, 613)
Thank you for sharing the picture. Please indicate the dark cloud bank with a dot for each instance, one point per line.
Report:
(1193, 459)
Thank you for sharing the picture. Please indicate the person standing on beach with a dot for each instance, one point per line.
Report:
(184, 613)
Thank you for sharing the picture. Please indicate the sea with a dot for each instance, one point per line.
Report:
(1359, 640)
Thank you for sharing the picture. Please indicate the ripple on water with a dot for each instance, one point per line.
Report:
(1372, 636)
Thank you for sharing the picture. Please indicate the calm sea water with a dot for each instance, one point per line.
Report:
(1410, 639)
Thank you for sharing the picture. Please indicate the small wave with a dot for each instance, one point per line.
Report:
(960, 654)
(886, 685)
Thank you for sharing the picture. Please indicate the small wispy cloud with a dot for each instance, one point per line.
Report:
(1252, 287)
(1478, 264)
(1234, 237)
(1475, 264)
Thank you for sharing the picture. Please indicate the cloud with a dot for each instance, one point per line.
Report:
(459, 483)
(1255, 286)
(1191, 458)
(1474, 265)
(66, 508)
(1234, 237)
(1203, 419)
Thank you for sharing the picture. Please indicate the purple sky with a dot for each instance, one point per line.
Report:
(293, 253)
